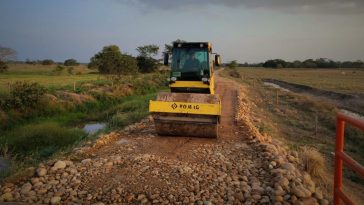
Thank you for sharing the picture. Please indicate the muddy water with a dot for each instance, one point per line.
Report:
(275, 86)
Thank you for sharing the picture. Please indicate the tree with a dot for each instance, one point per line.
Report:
(47, 62)
(71, 62)
(309, 63)
(276, 63)
(3, 66)
(148, 51)
(232, 64)
(111, 61)
(145, 60)
(7, 53)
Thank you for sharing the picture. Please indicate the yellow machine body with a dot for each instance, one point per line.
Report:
(191, 108)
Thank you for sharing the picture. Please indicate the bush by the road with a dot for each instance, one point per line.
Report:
(23, 95)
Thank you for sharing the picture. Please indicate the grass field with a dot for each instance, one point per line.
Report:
(339, 80)
(303, 121)
(47, 76)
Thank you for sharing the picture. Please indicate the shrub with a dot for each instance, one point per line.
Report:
(146, 64)
(70, 70)
(234, 73)
(44, 138)
(71, 62)
(233, 64)
(24, 95)
(58, 69)
(3, 66)
(313, 162)
(47, 62)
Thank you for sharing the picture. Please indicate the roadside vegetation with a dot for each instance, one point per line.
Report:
(44, 105)
(304, 123)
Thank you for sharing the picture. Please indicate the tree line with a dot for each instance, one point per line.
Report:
(110, 60)
(309, 63)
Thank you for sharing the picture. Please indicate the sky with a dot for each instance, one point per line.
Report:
(243, 30)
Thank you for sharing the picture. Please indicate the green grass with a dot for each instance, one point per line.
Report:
(339, 80)
(42, 138)
(46, 76)
(54, 127)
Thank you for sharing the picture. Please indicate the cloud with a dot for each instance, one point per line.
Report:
(310, 6)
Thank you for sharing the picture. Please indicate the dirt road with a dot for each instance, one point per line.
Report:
(135, 166)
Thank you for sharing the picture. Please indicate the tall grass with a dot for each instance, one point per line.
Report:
(42, 139)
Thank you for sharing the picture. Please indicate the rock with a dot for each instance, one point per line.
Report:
(256, 197)
(278, 198)
(300, 191)
(34, 180)
(41, 171)
(26, 188)
(324, 202)
(68, 163)
(86, 161)
(239, 196)
(283, 182)
(55, 200)
(306, 201)
(207, 203)
(7, 197)
(59, 165)
(141, 197)
(108, 165)
(318, 194)
(264, 200)
(288, 166)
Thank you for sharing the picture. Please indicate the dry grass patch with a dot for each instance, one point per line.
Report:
(313, 162)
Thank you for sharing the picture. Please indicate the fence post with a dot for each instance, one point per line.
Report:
(339, 148)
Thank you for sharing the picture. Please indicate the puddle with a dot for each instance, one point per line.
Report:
(276, 86)
(92, 128)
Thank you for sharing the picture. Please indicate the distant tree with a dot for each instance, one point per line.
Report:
(309, 63)
(111, 61)
(276, 63)
(47, 62)
(148, 50)
(297, 64)
(232, 64)
(71, 62)
(7, 53)
(145, 60)
(3, 66)
(30, 62)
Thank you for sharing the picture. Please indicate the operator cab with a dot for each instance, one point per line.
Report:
(190, 61)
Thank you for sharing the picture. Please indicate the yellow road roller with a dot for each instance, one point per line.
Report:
(191, 108)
